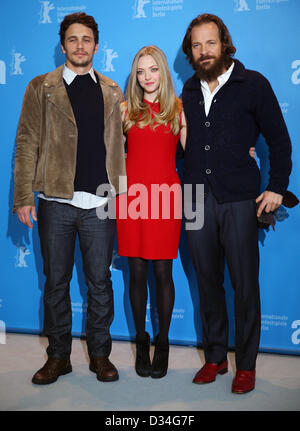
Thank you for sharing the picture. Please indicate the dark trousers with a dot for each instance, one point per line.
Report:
(58, 226)
(230, 231)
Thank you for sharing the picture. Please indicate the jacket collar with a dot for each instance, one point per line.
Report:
(238, 74)
(57, 94)
(110, 94)
(55, 77)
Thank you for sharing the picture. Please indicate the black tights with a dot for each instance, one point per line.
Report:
(165, 293)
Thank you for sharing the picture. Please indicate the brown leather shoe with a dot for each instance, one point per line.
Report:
(243, 382)
(209, 371)
(53, 368)
(105, 370)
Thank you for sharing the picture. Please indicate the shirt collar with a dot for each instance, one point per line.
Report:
(222, 78)
(69, 75)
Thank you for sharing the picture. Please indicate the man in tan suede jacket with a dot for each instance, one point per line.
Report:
(70, 142)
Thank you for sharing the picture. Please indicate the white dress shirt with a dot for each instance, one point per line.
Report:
(82, 200)
(208, 95)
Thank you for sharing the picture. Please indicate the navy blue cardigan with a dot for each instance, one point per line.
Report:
(217, 147)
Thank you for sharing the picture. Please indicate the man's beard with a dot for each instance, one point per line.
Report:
(79, 63)
(210, 72)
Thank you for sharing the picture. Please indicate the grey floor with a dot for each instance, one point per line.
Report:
(277, 386)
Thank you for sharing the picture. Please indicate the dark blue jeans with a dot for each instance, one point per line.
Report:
(58, 226)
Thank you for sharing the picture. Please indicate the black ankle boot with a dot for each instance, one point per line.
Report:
(142, 362)
(160, 361)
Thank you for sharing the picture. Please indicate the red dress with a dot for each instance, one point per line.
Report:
(149, 221)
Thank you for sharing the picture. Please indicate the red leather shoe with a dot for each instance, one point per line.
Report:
(243, 382)
(209, 371)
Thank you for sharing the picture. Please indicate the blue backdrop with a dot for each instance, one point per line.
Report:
(266, 34)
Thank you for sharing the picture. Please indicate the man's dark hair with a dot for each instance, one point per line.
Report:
(78, 18)
(227, 45)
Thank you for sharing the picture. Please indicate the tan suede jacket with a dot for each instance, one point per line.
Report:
(47, 140)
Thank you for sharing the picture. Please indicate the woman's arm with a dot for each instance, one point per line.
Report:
(183, 130)
(123, 108)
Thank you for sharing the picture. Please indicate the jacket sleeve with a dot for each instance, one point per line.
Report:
(274, 130)
(28, 137)
(115, 151)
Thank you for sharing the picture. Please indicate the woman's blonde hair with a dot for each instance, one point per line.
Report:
(138, 111)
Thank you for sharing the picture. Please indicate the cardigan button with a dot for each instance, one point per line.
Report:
(207, 147)
(208, 171)
(207, 123)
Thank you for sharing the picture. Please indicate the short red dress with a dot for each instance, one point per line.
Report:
(149, 214)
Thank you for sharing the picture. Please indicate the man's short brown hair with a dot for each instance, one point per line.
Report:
(78, 18)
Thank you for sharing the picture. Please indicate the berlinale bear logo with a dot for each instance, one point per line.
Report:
(46, 7)
(138, 8)
(241, 5)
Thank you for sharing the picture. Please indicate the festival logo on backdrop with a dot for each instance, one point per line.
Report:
(17, 59)
(22, 252)
(296, 333)
(241, 6)
(247, 5)
(157, 8)
(139, 8)
(2, 72)
(271, 321)
(277, 322)
(266, 4)
(109, 56)
(296, 75)
(46, 8)
(47, 14)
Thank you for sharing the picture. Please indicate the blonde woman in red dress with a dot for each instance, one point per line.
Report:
(150, 223)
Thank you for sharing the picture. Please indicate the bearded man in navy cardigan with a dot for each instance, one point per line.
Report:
(227, 107)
